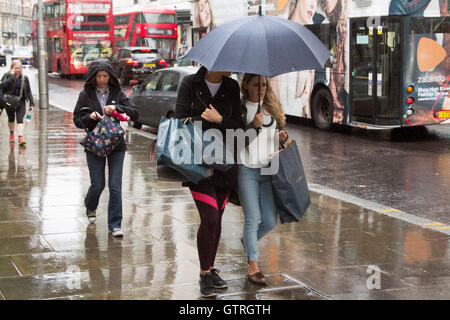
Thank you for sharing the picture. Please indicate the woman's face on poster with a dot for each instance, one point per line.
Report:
(306, 10)
(204, 13)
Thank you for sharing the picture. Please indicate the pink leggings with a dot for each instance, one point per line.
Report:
(210, 202)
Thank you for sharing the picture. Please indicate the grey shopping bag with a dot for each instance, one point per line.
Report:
(289, 185)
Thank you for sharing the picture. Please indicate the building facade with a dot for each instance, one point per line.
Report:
(15, 23)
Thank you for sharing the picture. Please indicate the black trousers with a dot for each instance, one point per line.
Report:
(20, 113)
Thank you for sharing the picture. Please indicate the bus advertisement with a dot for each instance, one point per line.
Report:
(150, 27)
(77, 31)
(389, 64)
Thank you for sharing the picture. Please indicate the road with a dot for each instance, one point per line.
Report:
(403, 169)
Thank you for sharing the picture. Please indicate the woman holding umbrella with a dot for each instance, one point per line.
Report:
(212, 98)
(255, 189)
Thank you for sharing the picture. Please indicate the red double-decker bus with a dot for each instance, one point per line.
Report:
(77, 31)
(151, 27)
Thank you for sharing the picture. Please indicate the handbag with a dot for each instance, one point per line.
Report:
(104, 138)
(289, 186)
(10, 101)
(163, 171)
(175, 148)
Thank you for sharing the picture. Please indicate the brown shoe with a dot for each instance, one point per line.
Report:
(257, 278)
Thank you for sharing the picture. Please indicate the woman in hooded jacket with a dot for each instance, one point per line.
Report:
(101, 96)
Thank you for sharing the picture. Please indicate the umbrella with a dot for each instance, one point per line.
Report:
(260, 44)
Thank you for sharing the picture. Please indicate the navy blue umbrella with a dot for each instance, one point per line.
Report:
(259, 44)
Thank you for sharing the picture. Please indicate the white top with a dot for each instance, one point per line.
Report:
(213, 87)
(258, 151)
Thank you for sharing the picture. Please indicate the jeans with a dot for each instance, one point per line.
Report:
(256, 197)
(97, 174)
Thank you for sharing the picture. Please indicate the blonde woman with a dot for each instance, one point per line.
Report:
(255, 189)
(15, 83)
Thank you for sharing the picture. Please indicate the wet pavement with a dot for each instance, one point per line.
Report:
(48, 250)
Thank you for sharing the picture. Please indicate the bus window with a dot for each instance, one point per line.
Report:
(422, 25)
(57, 45)
(123, 19)
(155, 18)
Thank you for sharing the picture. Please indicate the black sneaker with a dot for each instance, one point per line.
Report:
(91, 215)
(207, 288)
(219, 283)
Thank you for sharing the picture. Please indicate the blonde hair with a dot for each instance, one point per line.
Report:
(14, 63)
(271, 104)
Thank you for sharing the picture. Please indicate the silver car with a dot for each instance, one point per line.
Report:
(157, 95)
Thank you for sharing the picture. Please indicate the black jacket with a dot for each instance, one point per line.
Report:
(8, 85)
(88, 102)
(194, 97)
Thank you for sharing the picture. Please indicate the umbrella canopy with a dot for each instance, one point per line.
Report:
(265, 45)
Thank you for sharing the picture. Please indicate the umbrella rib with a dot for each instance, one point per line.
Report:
(225, 43)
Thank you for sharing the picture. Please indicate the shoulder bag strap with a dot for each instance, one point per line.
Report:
(21, 86)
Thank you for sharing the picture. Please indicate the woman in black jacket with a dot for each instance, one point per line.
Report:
(102, 95)
(15, 83)
(212, 98)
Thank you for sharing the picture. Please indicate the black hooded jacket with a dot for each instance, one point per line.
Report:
(88, 102)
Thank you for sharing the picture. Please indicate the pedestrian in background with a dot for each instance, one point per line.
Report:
(255, 189)
(14, 82)
(213, 98)
(101, 96)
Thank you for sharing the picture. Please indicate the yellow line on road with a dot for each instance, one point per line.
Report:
(433, 224)
(390, 210)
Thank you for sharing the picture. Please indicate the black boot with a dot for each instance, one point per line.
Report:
(219, 283)
(207, 288)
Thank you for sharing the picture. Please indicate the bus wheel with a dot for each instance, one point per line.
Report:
(124, 81)
(323, 109)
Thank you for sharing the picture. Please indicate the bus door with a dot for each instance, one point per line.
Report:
(376, 71)
(50, 54)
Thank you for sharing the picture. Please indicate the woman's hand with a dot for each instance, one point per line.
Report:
(283, 135)
(95, 116)
(109, 109)
(212, 115)
(258, 120)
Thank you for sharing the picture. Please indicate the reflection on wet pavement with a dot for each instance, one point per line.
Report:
(48, 250)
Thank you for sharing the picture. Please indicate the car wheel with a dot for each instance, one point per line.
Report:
(170, 114)
(134, 124)
(123, 79)
(323, 109)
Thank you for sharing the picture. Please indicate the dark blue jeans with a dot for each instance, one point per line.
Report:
(97, 173)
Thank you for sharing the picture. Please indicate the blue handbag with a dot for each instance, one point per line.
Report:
(104, 138)
(175, 148)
